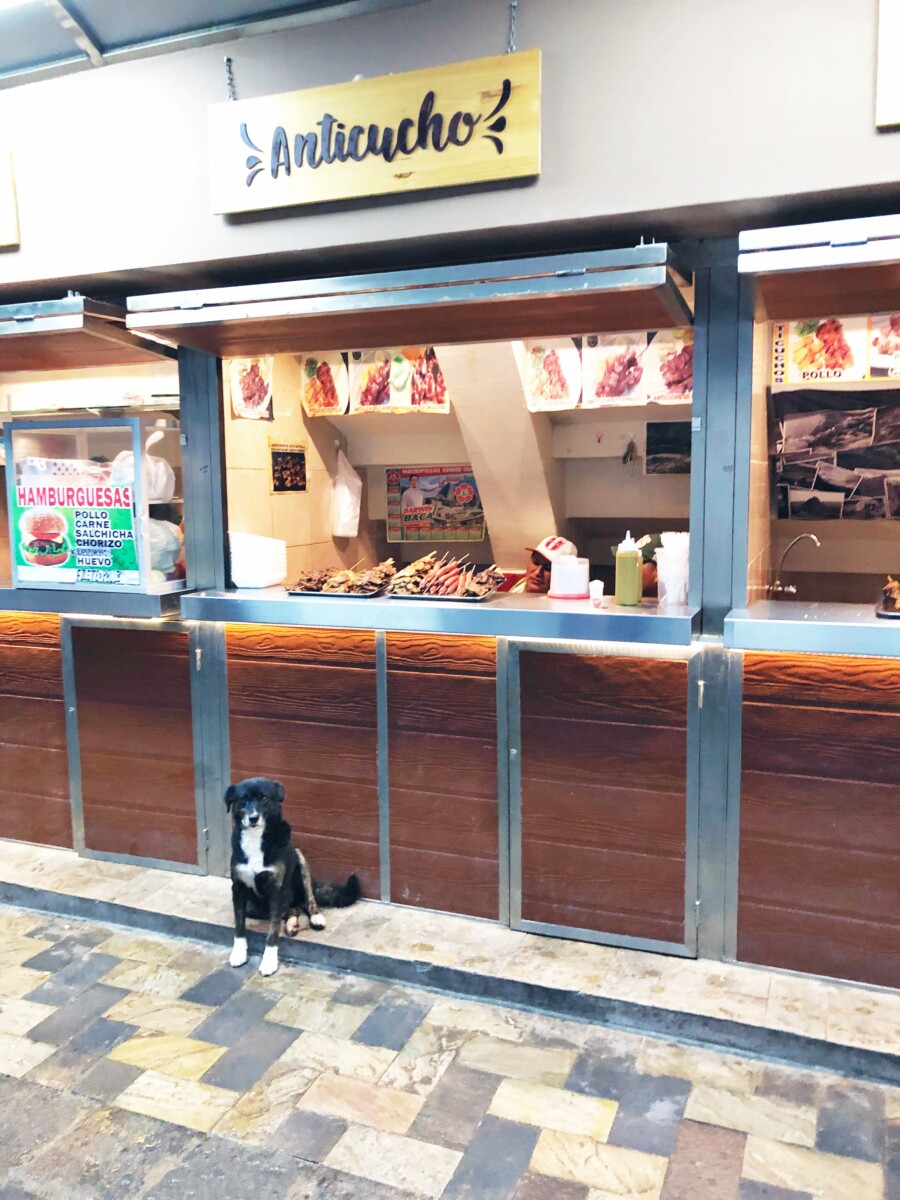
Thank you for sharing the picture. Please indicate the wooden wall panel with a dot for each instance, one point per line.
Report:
(442, 722)
(819, 881)
(133, 691)
(302, 707)
(34, 770)
(603, 763)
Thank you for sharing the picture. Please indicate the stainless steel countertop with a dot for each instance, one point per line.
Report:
(820, 628)
(504, 616)
(96, 604)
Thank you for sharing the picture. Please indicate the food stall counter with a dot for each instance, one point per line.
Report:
(787, 625)
(516, 616)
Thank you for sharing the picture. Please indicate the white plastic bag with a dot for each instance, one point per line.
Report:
(160, 476)
(346, 499)
(165, 545)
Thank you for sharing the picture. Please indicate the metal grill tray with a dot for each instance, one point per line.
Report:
(339, 595)
(455, 599)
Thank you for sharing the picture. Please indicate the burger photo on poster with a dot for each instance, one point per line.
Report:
(44, 541)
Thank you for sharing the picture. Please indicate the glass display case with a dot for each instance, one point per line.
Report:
(95, 504)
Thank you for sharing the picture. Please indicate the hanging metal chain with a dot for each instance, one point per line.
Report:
(229, 80)
(513, 14)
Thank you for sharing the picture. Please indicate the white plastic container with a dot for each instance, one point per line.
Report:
(569, 577)
(596, 588)
(256, 561)
(672, 562)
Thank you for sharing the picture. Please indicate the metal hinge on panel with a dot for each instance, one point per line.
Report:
(198, 657)
(571, 271)
(192, 300)
(182, 439)
(701, 688)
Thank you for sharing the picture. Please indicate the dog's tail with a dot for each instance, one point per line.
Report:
(337, 895)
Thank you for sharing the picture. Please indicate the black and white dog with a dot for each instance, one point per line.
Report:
(270, 878)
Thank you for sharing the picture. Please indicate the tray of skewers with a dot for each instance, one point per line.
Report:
(338, 582)
(431, 578)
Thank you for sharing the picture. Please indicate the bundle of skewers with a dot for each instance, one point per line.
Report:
(347, 580)
(446, 577)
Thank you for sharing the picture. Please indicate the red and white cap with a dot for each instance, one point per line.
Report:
(553, 548)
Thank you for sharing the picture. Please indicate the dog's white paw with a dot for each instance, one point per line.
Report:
(292, 926)
(238, 952)
(269, 963)
(317, 921)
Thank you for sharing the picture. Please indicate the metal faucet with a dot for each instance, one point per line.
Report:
(778, 588)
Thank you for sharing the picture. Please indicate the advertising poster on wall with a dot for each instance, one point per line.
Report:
(67, 533)
(837, 454)
(433, 504)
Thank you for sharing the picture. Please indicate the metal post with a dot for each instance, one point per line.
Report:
(202, 428)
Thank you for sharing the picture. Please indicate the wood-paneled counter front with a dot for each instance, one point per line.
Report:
(135, 735)
(303, 710)
(819, 875)
(604, 793)
(34, 771)
(442, 756)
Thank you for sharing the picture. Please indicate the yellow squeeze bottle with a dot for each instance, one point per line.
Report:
(629, 571)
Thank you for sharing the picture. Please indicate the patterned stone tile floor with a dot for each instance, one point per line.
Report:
(143, 1066)
(837, 1012)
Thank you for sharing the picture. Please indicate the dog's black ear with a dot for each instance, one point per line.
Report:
(279, 792)
(230, 797)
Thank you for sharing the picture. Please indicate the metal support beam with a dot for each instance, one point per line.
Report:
(76, 31)
(722, 420)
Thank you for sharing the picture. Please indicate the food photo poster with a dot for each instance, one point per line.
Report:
(609, 370)
(251, 388)
(404, 380)
(288, 467)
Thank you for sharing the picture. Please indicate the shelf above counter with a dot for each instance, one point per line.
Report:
(505, 616)
(94, 604)
(795, 626)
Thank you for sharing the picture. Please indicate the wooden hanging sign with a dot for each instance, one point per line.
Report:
(469, 123)
(9, 215)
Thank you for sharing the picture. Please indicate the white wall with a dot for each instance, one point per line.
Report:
(650, 106)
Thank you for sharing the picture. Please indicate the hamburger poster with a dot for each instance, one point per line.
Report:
(74, 533)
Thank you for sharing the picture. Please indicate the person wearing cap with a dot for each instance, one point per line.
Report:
(536, 580)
